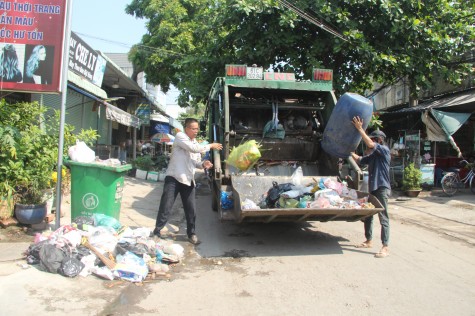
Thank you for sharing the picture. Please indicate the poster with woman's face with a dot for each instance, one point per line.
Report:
(38, 64)
(12, 58)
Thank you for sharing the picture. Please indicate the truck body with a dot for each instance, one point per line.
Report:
(241, 106)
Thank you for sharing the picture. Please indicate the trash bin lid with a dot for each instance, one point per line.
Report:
(121, 168)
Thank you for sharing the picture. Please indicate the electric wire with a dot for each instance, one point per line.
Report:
(312, 19)
(155, 49)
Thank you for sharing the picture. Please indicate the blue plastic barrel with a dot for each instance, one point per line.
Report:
(340, 137)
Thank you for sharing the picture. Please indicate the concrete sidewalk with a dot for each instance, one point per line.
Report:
(451, 216)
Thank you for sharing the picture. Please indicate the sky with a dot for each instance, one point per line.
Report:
(104, 25)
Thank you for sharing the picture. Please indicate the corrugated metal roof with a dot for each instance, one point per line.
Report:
(464, 101)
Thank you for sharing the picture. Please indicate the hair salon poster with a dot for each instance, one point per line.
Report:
(31, 44)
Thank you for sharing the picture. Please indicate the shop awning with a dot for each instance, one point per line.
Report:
(450, 121)
(442, 125)
(115, 114)
(460, 102)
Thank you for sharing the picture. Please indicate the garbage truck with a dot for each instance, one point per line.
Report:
(287, 118)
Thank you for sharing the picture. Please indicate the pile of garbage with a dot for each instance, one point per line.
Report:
(101, 246)
(320, 194)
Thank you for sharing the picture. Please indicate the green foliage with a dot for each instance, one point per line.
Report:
(161, 162)
(29, 150)
(188, 42)
(412, 178)
(375, 122)
(144, 163)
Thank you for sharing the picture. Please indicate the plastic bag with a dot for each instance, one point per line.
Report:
(227, 201)
(103, 238)
(288, 203)
(70, 267)
(273, 131)
(297, 177)
(174, 249)
(51, 258)
(290, 194)
(138, 249)
(130, 267)
(33, 252)
(107, 221)
(81, 153)
(273, 194)
(248, 205)
(245, 155)
(320, 202)
(305, 201)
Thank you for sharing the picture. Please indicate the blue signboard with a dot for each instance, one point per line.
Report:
(159, 127)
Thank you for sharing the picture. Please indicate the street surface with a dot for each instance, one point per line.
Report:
(276, 269)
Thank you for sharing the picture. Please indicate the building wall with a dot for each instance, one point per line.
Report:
(398, 94)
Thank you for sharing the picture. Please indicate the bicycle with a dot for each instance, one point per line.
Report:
(451, 182)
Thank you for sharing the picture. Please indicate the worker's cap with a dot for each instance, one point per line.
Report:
(377, 133)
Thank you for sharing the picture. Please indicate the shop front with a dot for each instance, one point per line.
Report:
(434, 135)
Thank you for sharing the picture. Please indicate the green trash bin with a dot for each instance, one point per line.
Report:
(96, 189)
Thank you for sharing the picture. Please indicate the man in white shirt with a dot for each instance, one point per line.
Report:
(185, 157)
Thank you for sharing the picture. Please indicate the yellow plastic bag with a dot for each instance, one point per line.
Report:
(245, 155)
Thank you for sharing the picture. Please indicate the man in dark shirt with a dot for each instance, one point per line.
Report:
(379, 182)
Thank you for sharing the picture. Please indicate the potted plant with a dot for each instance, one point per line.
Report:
(411, 182)
(143, 164)
(29, 151)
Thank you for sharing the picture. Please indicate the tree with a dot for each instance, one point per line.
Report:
(189, 41)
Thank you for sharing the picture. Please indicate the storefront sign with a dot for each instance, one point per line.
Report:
(143, 112)
(85, 61)
(32, 36)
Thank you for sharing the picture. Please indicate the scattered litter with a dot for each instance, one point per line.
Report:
(320, 194)
(24, 266)
(103, 248)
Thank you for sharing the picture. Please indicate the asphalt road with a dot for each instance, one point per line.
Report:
(310, 269)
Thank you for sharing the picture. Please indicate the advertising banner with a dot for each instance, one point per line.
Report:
(85, 61)
(31, 42)
(159, 127)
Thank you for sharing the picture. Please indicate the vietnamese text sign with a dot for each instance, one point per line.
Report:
(279, 76)
(31, 42)
(85, 61)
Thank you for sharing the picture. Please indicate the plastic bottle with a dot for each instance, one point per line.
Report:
(340, 136)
